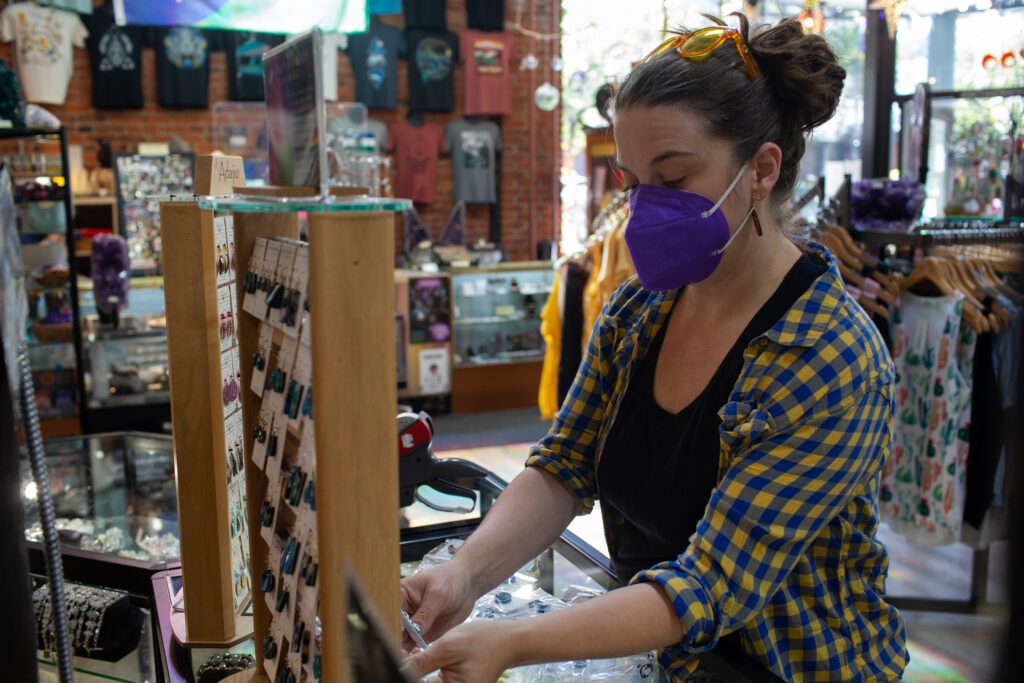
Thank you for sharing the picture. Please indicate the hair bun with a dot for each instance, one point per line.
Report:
(802, 70)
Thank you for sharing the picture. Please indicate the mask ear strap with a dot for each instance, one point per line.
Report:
(736, 234)
(728, 191)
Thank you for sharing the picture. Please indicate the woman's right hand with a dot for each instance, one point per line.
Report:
(438, 600)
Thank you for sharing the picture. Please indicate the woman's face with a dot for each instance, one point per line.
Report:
(668, 146)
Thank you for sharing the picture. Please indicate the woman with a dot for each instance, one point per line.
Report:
(733, 408)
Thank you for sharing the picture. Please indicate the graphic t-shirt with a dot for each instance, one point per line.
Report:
(374, 56)
(385, 6)
(43, 39)
(486, 15)
(183, 65)
(245, 63)
(474, 146)
(425, 14)
(417, 149)
(115, 57)
(432, 59)
(488, 58)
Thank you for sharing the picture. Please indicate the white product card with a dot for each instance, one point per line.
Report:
(270, 271)
(285, 362)
(227, 376)
(220, 250)
(292, 317)
(258, 379)
(259, 450)
(302, 372)
(235, 313)
(255, 268)
(225, 317)
(285, 263)
(267, 532)
(233, 445)
(229, 242)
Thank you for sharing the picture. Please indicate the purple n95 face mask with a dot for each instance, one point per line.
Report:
(675, 237)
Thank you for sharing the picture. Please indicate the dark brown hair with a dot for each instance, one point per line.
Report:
(799, 88)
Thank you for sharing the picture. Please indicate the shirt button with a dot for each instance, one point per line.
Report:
(763, 343)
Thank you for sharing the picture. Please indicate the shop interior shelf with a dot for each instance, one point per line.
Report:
(496, 320)
(131, 400)
(251, 204)
(521, 292)
(13, 133)
(508, 358)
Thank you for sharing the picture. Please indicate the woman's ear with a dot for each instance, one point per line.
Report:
(767, 163)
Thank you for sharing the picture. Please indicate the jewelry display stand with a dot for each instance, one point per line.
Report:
(203, 353)
(350, 329)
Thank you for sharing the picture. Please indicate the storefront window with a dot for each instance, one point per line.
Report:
(958, 45)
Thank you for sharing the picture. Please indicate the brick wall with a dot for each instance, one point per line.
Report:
(527, 133)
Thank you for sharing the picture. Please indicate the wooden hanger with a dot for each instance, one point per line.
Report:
(841, 235)
(930, 275)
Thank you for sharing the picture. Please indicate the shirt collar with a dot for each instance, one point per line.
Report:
(803, 323)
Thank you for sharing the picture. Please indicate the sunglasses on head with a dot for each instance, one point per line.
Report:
(697, 46)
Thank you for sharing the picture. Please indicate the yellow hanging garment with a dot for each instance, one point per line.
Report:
(551, 330)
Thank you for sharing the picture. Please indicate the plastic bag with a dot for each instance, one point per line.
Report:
(636, 669)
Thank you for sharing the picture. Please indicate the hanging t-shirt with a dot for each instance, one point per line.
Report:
(374, 56)
(488, 58)
(427, 14)
(43, 39)
(115, 57)
(385, 6)
(486, 15)
(474, 146)
(379, 131)
(417, 149)
(432, 58)
(183, 65)
(245, 63)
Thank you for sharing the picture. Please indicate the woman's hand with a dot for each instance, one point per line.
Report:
(437, 600)
(478, 652)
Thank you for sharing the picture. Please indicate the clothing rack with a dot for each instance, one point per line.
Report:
(951, 233)
(947, 233)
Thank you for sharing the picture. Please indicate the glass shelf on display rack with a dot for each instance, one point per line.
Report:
(315, 204)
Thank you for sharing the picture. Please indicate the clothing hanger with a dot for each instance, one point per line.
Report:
(928, 276)
(842, 236)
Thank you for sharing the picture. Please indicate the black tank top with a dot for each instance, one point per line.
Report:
(657, 469)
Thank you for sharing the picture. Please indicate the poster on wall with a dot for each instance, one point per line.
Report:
(435, 375)
(429, 311)
(268, 16)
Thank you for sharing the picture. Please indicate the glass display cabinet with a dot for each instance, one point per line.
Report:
(497, 313)
(115, 502)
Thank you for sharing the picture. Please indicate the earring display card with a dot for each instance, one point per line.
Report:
(233, 447)
(276, 293)
(258, 379)
(226, 317)
(256, 270)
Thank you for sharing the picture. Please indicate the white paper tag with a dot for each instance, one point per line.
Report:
(255, 268)
(258, 379)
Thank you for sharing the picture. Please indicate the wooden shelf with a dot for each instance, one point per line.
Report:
(95, 201)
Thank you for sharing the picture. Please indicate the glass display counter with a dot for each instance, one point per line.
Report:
(116, 508)
(497, 313)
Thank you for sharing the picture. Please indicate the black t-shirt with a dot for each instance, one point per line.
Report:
(486, 15)
(425, 14)
(374, 56)
(432, 59)
(657, 469)
(115, 58)
(183, 65)
(245, 63)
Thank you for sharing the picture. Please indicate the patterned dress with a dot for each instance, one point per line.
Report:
(924, 481)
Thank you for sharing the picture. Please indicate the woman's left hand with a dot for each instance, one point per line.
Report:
(477, 652)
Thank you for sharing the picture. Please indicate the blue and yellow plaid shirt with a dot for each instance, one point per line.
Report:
(786, 552)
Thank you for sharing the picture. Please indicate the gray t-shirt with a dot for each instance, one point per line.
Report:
(374, 56)
(474, 146)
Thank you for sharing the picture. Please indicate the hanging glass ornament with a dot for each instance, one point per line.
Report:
(547, 97)
(556, 64)
(529, 63)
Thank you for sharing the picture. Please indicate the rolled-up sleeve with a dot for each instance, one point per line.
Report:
(776, 497)
(569, 450)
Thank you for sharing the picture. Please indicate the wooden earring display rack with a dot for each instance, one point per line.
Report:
(348, 265)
